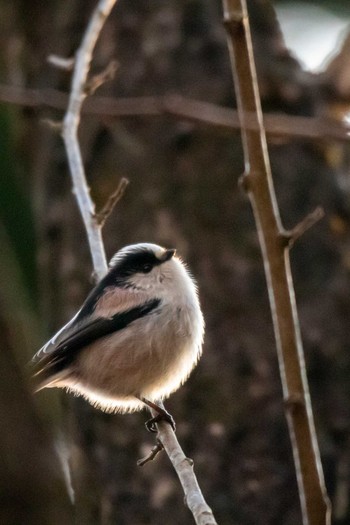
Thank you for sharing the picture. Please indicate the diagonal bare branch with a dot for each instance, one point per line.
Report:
(183, 466)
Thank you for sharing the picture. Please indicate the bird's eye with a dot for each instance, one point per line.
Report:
(146, 268)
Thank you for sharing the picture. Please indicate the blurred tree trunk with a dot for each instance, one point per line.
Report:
(31, 478)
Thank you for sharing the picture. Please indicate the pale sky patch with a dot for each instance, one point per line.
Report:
(313, 34)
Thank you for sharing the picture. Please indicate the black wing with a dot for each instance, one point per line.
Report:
(79, 320)
(66, 351)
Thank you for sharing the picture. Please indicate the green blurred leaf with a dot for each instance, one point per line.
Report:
(15, 207)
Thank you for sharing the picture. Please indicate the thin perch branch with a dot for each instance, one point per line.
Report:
(92, 221)
(183, 466)
(202, 513)
(259, 185)
(70, 134)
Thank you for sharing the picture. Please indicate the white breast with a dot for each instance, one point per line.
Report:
(151, 357)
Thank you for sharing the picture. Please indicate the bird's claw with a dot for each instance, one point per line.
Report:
(165, 416)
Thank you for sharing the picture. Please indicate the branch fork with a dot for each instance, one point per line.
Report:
(101, 78)
(289, 237)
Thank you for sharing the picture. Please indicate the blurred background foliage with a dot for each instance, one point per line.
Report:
(183, 192)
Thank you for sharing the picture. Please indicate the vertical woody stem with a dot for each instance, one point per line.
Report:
(258, 183)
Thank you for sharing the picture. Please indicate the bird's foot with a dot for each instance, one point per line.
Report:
(163, 415)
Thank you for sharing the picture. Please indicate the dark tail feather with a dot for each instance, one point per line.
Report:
(47, 373)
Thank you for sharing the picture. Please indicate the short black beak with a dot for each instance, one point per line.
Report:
(168, 254)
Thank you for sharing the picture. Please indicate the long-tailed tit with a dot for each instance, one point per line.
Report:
(136, 338)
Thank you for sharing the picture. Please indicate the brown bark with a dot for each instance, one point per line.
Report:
(274, 243)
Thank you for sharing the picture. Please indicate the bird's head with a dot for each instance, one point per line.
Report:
(147, 267)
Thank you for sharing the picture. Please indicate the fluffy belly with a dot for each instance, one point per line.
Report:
(128, 369)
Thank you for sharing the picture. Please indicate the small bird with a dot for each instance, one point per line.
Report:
(135, 339)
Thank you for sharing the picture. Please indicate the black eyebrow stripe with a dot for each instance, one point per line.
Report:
(67, 350)
(133, 263)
